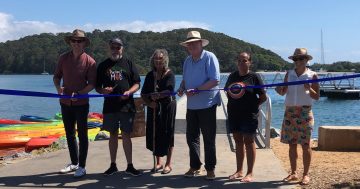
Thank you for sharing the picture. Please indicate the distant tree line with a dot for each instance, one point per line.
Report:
(341, 66)
(27, 55)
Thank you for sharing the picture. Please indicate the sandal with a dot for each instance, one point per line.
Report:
(235, 176)
(157, 169)
(291, 177)
(305, 180)
(166, 170)
(247, 178)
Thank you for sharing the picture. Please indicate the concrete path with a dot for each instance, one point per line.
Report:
(42, 171)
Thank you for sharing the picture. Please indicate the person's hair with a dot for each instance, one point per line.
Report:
(249, 55)
(165, 58)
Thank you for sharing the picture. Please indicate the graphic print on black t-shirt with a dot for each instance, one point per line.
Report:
(249, 101)
(118, 76)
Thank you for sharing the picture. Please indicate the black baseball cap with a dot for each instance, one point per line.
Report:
(116, 41)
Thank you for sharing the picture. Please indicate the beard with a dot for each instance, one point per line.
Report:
(115, 57)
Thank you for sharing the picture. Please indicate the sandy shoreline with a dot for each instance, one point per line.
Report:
(328, 169)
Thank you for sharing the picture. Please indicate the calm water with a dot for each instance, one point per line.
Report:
(326, 111)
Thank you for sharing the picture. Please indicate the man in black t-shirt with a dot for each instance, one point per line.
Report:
(118, 76)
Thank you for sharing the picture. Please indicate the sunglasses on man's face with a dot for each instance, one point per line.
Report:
(299, 59)
(77, 40)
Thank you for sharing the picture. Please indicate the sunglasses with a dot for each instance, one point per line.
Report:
(158, 59)
(77, 40)
(115, 48)
(242, 60)
(299, 59)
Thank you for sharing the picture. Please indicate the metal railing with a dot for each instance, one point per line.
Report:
(337, 84)
(264, 124)
(278, 77)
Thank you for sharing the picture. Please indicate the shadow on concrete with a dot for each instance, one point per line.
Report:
(122, 180)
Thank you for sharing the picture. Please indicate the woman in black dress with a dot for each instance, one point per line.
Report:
(157, 93)
(243, 107)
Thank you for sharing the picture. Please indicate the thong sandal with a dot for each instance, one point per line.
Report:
(235, 176)
(291, 177)
(305, 180)
(247, 179)
(166, 171)
(157, 169)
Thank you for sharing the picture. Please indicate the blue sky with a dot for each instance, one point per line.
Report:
(277, 25)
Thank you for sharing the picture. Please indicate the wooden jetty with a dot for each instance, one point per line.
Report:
(339, 89)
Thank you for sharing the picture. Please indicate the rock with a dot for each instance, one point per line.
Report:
(274, 133)
(59, 144)
(21, 154)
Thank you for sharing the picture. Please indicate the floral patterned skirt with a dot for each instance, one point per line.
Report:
(297, 125)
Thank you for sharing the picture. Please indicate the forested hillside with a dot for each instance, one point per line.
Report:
(27, 55)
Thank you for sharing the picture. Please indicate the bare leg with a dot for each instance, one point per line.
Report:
(158, 162)
(250, 156)
(127, 145)
(293, 158)
(113, 145)
(306, 162)
(240, 154)
(168, 158)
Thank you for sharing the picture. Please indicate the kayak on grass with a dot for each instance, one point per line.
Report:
(4, 122)
(39, 142)
(35, 118)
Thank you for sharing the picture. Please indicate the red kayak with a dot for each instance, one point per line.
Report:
(39, 142)
(12, 142)
(11, 139)
(13, 122)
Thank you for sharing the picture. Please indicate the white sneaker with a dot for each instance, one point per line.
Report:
(80, 172)
(69, 168)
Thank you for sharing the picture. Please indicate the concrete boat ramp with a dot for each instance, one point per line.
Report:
(42, 171)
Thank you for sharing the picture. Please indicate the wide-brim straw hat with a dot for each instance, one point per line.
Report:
(77, 34)
(194, 36)
(301, 52)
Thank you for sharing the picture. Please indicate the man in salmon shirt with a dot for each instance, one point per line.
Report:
(77, 70)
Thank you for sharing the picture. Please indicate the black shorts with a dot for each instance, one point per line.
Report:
(247, 125)
(122, 120)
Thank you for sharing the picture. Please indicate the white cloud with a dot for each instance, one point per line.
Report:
(11, 29)
(137, 26)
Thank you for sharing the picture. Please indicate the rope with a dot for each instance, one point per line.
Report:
(54, 95)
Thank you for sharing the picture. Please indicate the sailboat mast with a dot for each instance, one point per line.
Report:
(322, 49)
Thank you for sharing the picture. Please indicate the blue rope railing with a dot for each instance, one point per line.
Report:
(54, 95)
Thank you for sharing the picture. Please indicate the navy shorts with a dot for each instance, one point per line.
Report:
(245, 125)
(122, 120)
